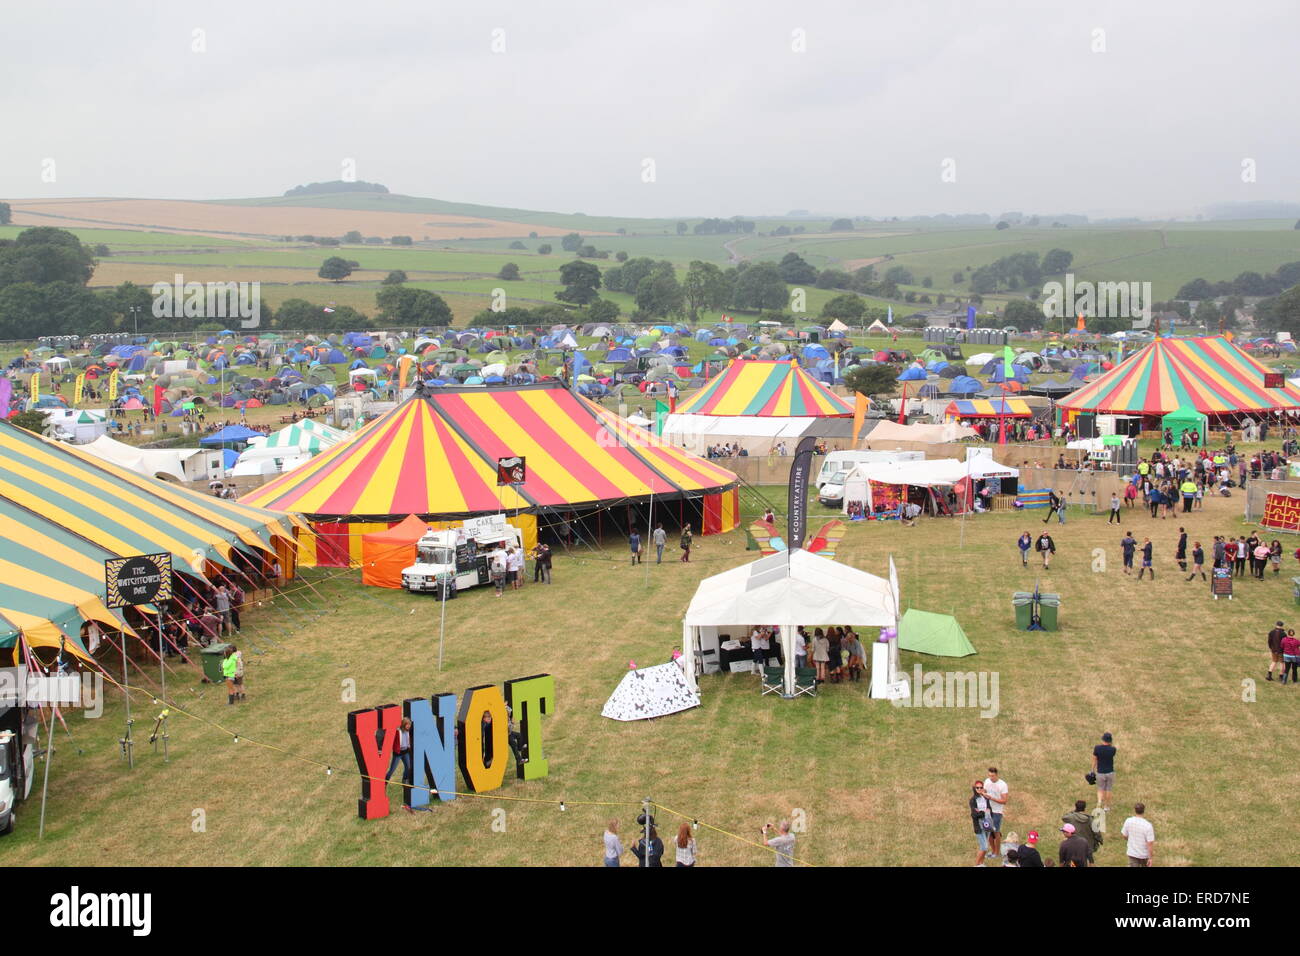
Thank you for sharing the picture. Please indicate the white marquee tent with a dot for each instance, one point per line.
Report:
(178, 464)
(786, 589)
(934, 473)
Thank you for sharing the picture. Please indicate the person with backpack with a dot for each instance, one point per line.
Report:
(686, 544)
(1046, 547)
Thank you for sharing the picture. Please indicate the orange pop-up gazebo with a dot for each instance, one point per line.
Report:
(385, 553)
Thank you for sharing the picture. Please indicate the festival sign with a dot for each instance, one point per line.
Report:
(511, 471)
(797, 505)
(1281, 512)
(141, 579)
(480, 742)
(1221, 583)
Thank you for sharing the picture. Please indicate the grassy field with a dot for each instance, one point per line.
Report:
(1158, 664)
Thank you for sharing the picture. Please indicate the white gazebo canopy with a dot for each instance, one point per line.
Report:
(787, 589)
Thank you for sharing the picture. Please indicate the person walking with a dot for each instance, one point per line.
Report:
(1074, 850)
(1290, 657)
(1275, 637)
(685, 846)
(995, 788)
(1127, 547)
(1180, 553)
(1054, 507)
(782, 842)
(660, 538)
(402, 755)
(1114, 509)
(634, 541)
(1046, 547)
(1147, 564)
(1103, 765)
(1141, 836)
(1024, 543)
(686, 544)
(613, 845)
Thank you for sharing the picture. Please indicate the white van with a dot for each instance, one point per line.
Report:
(845, 461)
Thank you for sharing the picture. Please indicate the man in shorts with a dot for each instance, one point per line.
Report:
(1275, 649)
(1103, 765)
(995, 789)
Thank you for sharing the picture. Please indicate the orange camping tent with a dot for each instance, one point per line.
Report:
(385, 553)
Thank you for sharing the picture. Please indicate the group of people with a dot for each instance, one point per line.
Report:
(659, 538)
(506, 567)
(726, 450)
(837, 653)
(649, 848)
(1082, 832)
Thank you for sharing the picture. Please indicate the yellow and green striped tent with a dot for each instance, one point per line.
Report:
(64, 512)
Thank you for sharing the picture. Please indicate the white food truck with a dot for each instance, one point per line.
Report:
(18, 728)
(462, 551)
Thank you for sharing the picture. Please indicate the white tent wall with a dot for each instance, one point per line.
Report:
(786, 589)
(180, 464)
(757, 434)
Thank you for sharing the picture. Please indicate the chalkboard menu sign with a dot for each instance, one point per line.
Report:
(1221, 583)
(466, 552)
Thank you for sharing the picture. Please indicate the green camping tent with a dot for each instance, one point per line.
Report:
(929, 633)
(1188, 418)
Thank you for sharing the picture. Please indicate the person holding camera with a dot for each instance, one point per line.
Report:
(981, 819)
(782, 842)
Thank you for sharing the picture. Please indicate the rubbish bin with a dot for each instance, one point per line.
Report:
(1048, 606)
(213, 655)
(1023, 602)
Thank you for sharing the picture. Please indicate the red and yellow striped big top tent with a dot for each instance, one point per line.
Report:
(435, 456)
(1209, 374)
(780, 389)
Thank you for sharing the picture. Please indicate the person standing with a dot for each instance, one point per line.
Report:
(1114, 509)
(1082, 822)
(1074, 850)
(800, 649)
(1290, 657)
(1275, 555)
(649, 853)
(1147, 564)
(686, 544)
(1046, 547)
(1220, 552)
(497, 569)
(222, 602)
(822, 654)
(1180, 554)
(515, 568)
(995, 788)
(1262, 553)
(981, 820)
(1029, 855)
(685, 846)
(634, 541)
(1188, 489)
(1024, 543)
(1128, 545)
(238, 655)
(1243, 551)
(782, 843)
(1141, 836)
(1103, 765)
(1275, 649)
(229, 665)
(660, 539)
(613, 845)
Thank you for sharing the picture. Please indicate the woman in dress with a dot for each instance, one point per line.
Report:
(821, 654)
(1275, 555)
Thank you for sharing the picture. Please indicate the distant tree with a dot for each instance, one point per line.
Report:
(532, 235)
(1282, 313)
(603, 310)
(795, 270)
(842, 225)
(622, 230)
(1023, 314)
(863, 277)
(682, 227)
(1206, 314)
(927, 282)
(32, 421)
(621, 256)
(336, 186)
(1002, 224)
(45, 254)
(544, 249)
(311, 239)
(1057, 261)
(404, 306)
(6, 215)
(102, 251)
(587, 251)
(659, 293)
(335, 268)
(353, 236)
(571, 243)
(910, 297)
(1194, 291)
(581, 281)
(760, 286)
(958, 278)
(509, 272)
(847, 308)
(899, 275)
(871, 380)
(396, 277)
(327, 241)
(401, 240)
(834, 279)
(627, 277)
(941, 299)
(706, 287)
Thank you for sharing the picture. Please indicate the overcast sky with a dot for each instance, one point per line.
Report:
(738, 112)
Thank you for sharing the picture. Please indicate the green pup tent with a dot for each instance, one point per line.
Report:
(928, 633)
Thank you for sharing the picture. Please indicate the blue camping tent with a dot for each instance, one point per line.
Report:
(914, 373)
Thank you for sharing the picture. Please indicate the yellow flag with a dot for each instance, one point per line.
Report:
(404, 367)
(859, 415)
(112, 386)
(78, 388)
(36, 386)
